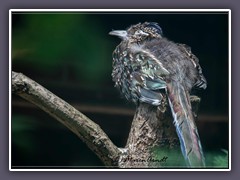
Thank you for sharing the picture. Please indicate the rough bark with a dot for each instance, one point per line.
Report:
(88, 131)
(151, 127)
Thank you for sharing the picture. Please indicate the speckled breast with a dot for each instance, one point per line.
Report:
(121, 73)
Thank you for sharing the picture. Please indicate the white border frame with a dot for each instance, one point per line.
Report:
(115, 11)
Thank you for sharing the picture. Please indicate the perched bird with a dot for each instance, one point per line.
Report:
(146, 65)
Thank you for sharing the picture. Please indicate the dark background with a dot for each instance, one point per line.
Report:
(70, 54)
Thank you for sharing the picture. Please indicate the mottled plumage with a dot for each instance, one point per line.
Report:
(146, 65)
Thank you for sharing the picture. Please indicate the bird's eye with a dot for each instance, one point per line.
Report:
(140, 32)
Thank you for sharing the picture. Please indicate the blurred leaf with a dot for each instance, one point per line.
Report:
(221, 160)
(174, 157)
(70, 43)
(215, 159)
(47, 37)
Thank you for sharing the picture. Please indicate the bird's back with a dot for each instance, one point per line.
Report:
(180, 66)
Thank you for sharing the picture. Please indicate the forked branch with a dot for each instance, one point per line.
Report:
(88, 131)
(151, 127)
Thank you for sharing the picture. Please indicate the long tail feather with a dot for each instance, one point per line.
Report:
(179, 100)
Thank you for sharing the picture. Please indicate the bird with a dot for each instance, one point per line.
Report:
(147, 65)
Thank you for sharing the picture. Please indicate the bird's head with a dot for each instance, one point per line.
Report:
(139, 32)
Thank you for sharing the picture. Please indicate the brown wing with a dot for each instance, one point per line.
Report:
(201, 82)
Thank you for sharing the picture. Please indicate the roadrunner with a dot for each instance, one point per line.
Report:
(146, 65)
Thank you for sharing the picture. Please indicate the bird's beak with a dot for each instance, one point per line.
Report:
(120, 33)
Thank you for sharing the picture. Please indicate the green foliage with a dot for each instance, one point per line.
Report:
(72, 43)
(215, 159)
(46, 37)
(174, 157)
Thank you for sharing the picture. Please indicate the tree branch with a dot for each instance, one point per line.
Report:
(152, 128)
(88, 131)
